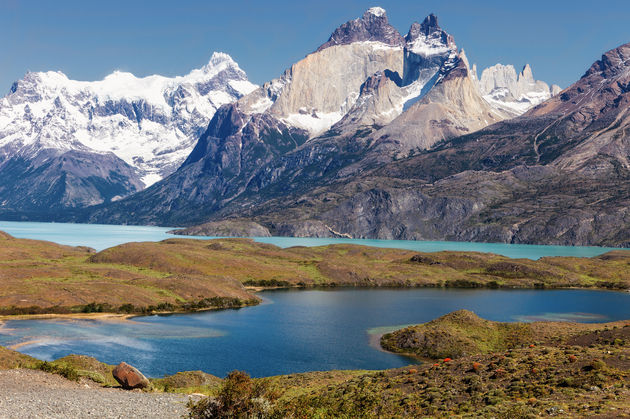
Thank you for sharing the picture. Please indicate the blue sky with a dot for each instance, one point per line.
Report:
(89, 39)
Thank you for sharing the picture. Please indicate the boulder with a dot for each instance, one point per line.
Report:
(129, 377)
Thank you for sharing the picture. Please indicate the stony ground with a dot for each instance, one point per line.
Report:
(36, 394)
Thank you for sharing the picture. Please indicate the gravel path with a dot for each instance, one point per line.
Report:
(36, 394)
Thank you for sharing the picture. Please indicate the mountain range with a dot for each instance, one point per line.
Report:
(67, 143)
(380, 135)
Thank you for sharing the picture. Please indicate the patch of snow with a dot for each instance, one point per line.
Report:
(150, 179)
(376, 45)
(376, 11)
(261, 105)
(419, 89)
(315, 123)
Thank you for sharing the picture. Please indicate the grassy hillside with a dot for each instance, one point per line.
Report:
(43, 277)
(187, 274)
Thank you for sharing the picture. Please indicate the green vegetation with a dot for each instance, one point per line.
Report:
(10, 359)
(458, 334)
(188, 382)
(237, 397)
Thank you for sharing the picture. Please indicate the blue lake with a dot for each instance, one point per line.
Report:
(295, 331)
(101, 237)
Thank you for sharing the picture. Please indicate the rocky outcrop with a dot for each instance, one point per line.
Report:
(225, 228)
(129, 377)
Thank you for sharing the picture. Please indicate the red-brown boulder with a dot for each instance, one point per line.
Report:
(129, 377)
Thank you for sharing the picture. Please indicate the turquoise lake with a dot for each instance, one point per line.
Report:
(101, 237)
(296, 331)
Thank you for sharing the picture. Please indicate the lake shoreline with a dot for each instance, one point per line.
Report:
(591, 360)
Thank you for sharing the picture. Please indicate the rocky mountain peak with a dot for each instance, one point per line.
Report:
(372, 26)
(430, 24)
(612, 63)
(526, 74)
(219, 58)
(160, 118)
(427, 38)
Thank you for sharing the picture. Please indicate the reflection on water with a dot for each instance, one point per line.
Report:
(296, 331)
(563, 317)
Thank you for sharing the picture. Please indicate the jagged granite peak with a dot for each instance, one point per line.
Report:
(387, 94)
(373, 26)
(316, 92)
(449, 106)
(428, 38)
(513, 93)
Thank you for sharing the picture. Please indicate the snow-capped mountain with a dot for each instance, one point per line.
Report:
(366, 96)
(514, 93)
(150, 123)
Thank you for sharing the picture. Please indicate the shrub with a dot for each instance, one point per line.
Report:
(239, 397)
(96, 308)
(63, 370)
(127, 308)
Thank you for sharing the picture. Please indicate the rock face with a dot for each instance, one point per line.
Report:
(129, 377)
(511, 93)
(128, 132)
(451, 107)
(226, 228)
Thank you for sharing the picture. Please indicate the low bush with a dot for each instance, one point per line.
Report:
(238, 397)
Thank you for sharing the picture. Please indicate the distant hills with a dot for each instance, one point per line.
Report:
(380, 135)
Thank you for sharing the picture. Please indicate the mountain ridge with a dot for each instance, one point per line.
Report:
(556, 175)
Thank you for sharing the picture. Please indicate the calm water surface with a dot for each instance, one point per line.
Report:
(101, 237)
(295, 331)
